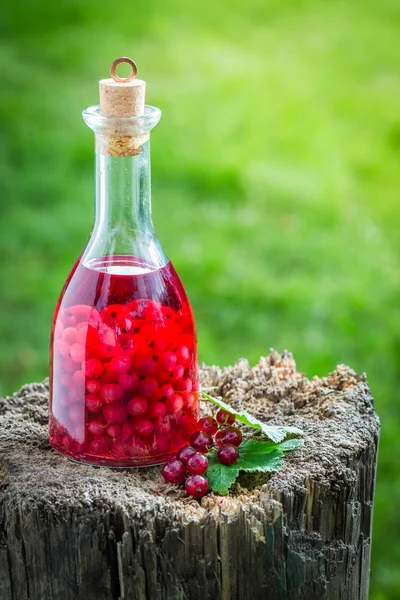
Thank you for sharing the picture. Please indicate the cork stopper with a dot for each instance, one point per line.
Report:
(121, 97)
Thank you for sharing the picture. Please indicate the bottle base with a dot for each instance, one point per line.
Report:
(115, 463)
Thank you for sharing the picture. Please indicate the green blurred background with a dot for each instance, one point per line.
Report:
(275, 183)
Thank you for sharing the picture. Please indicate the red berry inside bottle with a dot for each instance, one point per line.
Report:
(229, 435)
(197, 464)
(121, 363)
(137, 406)
(128, 380)
(93, 403)
(224, 417)
(93, 386)
(97, 427)
(173, 471)
(174, 403)
(228, 454)
(113, 431)
(115, 413)
(143, 427)
(196, 486)
(208, 424)
(111, 392)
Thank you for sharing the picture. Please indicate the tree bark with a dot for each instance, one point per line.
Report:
(70, 531)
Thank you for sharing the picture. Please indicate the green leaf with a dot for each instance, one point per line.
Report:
(289, 445)
(220, 477)
(255, 455)
(276, 433)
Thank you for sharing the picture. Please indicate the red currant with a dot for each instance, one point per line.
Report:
(74, 395)
(185, 453)
(196, 486)
(92, 368)
(167, 361)
(165, 391)
(107, 336)
(116, 316)
(69, 335)
(83, 312)
(148, 387)
(174, 403)
(64, 314)
(190, 400)
(77, 413)
(69, 365)
(188, 423)
(230, 435)
(108, 375)
(137, 345)
(208, 424)
(96, 427)
(111, 392)
(157, 409)
(202, 441)
(113, 431)
(228, 454)
(93, 386)
(183, 355)
(197, 464)
(224, 417)
(156, 344)
(184, 385)
(115, 413)
(143, 427)
(178, 372)
(77, 352)
(87, 335)
(173, 471)
(62, 348)
(137, 406)
(145, 365)
(121, 363)
(128, 380)
(78, 378)
(93, 403)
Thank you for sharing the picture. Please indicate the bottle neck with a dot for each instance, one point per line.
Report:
(123, 194)
(123, 225)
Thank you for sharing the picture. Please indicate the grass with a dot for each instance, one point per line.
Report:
(275, 184)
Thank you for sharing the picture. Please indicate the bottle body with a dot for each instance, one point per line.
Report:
(124, 383)
(124, 380)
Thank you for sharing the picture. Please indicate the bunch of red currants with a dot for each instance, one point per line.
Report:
(192, 458)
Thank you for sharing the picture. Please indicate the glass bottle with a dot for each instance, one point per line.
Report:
(123, 379)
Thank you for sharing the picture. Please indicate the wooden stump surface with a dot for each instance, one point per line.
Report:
(70, 531)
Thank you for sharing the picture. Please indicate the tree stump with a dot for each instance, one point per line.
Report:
(70, 531)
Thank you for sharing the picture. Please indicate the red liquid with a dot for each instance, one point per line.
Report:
(124, 382)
